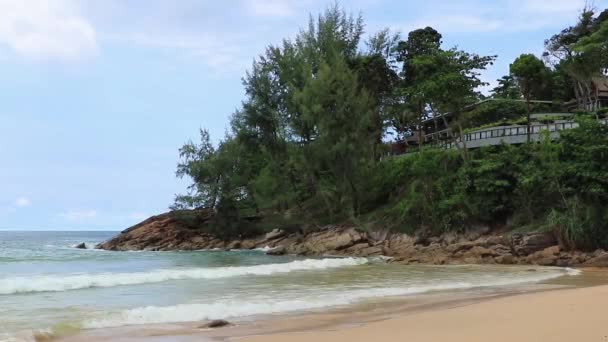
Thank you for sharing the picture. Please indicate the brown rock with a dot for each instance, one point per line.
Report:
(480, 252)
(476, 232)
(547, 257)
(328, 241)
(505, 259)
(234, 245)
(525, 244)
(550, 251)
(275, 234)
(600, 260)
(277, 251)
(218, 323)
(167, 231)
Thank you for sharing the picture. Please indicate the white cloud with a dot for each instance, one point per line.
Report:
(219, 52)
(46, 29)
(271, 8)
(457, 23)
(23, 202)
(79, 215)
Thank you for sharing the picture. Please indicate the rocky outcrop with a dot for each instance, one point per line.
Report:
(600, 259)
(81, 245)
(165, 232)
(478, 246)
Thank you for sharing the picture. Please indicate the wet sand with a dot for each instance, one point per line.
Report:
(567, 309)
(558, 316)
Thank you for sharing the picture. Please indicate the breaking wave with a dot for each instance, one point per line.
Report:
(306, 301)
(83, 281)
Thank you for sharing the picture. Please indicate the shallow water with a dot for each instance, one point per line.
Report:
(46, 284)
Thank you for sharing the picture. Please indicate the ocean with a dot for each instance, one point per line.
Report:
(47, 285)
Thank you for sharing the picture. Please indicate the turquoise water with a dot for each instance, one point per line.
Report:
(46, 283)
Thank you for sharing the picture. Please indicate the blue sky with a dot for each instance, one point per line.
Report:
(97, 95)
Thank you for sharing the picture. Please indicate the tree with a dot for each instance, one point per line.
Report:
(506, 89)
(579, 51)
(197, 162)
(529, 73)
(438, 80)
(419, 43)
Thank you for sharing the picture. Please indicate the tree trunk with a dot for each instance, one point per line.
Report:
(465, 152)
(463, 149)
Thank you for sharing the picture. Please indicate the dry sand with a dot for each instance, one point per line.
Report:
(579, 315)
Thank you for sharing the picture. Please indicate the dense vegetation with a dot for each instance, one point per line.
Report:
(307, 144)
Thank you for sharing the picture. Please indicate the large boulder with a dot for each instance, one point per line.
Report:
(547, 257)
(526, 244)
(600, 260)
(328, 241)
(277, 251)
(274, 234)
(364, 250)
(399, 245)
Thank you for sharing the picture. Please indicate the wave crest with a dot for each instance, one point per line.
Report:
(263, 306)
(82, 281)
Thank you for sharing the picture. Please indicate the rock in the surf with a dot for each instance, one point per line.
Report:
(277, 251)
(81, 245)
(216, 323)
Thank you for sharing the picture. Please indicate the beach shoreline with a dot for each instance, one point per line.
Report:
(555, 315)
(386, 316)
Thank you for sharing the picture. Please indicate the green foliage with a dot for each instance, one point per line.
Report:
(492, 112)
(306, 146)
(561, 186)
(530, 73)
(507, 88)
(580, 55)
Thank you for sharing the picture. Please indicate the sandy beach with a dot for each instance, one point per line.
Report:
(562, 315)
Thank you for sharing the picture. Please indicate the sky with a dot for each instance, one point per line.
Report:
(96, 96)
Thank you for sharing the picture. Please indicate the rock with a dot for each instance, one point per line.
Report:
(476, 232)
(449, 238)
(600, 260)
(547, 257)
(497, 240)
(81, 245)
(277, 251)
(399, 245)
(505, 259)
(218, 323)
(525, 244)
(275, 234)
(234, 245)
(328, 241)
(371, 251)
(501, 249)
(480, 252)
(461, 246)
(168, 231)
(550, 251)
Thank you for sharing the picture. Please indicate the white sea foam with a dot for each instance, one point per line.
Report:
(82, 281)
(87, 245)
(306, 301)
(264, 249)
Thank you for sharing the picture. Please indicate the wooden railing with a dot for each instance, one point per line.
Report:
(516, 134)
